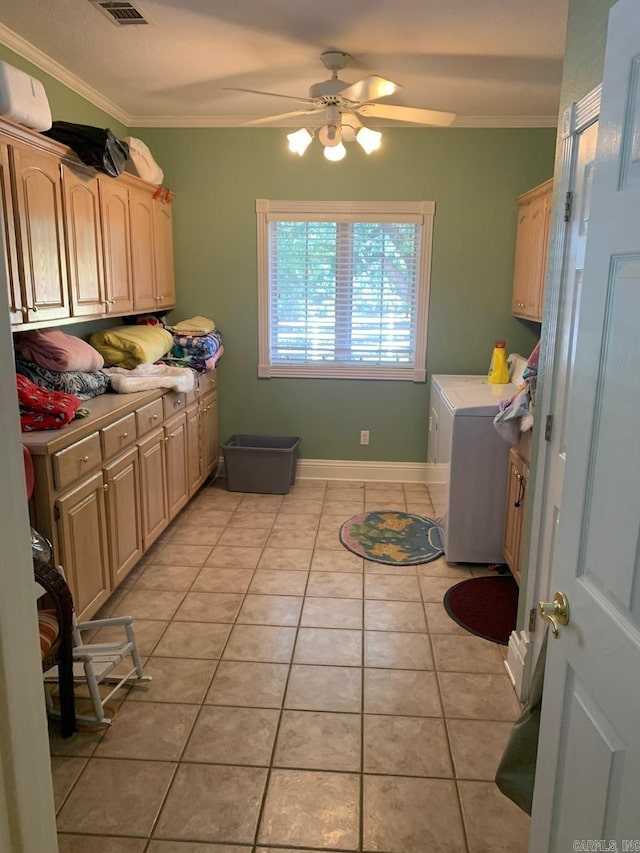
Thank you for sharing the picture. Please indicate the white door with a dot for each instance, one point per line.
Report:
(580, 153)
(588, 777)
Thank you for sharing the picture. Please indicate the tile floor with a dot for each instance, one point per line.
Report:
(302, 698)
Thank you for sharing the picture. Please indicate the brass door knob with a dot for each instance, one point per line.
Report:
(555, 612)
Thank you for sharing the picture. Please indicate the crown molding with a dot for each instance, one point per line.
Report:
(506, 121)
(28, 51)
(33, 54)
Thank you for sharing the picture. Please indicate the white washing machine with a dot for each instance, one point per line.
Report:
(467, 464)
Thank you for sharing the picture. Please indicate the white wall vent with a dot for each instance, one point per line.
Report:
(119, 12)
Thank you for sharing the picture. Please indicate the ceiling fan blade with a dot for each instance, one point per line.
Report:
(409, 114)
(369, 89)
(272, 94)
(269, 119)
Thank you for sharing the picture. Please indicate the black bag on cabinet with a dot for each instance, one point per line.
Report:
(95, 146)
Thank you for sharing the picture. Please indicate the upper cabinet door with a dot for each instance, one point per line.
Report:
(163, 231)
(41, 250)
(84, 240)
(17, 309)
(114, 209)
(142, 250)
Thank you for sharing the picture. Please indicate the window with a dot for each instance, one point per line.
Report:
(344, 288)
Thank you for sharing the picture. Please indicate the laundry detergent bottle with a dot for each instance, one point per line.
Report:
(499, 369)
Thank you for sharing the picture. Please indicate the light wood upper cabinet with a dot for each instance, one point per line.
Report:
(114, 210)
(163, 235)
(41, 242)
(7, 225)
(532, 237)
(81, 197)
(141, 209)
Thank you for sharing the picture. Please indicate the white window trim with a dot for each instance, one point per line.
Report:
(346, 211)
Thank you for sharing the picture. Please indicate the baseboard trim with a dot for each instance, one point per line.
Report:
(518, 663)
(351, 469)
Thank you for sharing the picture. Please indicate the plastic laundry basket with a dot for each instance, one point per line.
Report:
(260, 463)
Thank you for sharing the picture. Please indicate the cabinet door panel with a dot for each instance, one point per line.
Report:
(209, 432)
(114, 210)
(38, 197)
(84, 240)
(124, 514)
(8, 230)
(175, 431)
(142, 250)
(83, 545)
(194, 456)
(163, 235)
(153, 478)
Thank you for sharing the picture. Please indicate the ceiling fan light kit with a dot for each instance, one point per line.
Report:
(340, 100)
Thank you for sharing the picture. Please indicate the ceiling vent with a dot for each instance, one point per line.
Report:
(120, 13)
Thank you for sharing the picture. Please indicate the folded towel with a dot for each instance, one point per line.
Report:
(77, 382)
(147, 376)
(54, 350)
(41, 409)
(195, 326)
(129, 346)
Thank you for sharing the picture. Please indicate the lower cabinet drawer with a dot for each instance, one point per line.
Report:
(206, 381)
(119, 435)
(174, 401)
(149, 417)
(74, 462)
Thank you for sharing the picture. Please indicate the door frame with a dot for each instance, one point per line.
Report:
(27, 815)
(525, 644)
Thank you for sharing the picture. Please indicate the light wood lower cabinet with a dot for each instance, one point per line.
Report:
(124, 514)
(107, 486)
(82, 537)
(175, 441)
(194, 455)
(209, 433)
(153, 476)
(515, 510)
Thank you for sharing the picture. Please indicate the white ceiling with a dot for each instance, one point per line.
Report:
(493, 62)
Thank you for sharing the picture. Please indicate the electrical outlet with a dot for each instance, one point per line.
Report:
(364, 436)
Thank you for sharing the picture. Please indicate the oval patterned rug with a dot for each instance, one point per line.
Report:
(393, 538)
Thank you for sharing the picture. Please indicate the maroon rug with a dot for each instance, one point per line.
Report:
(486, 607)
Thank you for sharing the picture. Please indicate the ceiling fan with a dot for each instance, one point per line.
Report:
(344, 105)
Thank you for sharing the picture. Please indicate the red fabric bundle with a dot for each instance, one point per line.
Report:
(42, 409)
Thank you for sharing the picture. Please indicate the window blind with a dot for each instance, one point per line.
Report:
(343, 292)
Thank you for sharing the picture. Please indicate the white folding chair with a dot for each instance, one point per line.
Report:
(94, 663)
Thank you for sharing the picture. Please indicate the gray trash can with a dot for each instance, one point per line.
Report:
(260, 463)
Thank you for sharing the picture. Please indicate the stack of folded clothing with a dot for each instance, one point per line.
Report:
(129, 346)
(60, 362)
(42, 409)
(196, 344)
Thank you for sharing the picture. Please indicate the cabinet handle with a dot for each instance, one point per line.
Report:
(154, 417)
(111, 301)
(124, 435)
(161, 298)
(165, 439)
(34, 308)
(84, 459)
(178, 402)
(105, 488)
(24, 311)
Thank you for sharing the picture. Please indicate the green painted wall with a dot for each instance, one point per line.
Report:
(473, 176)
(65, 104)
